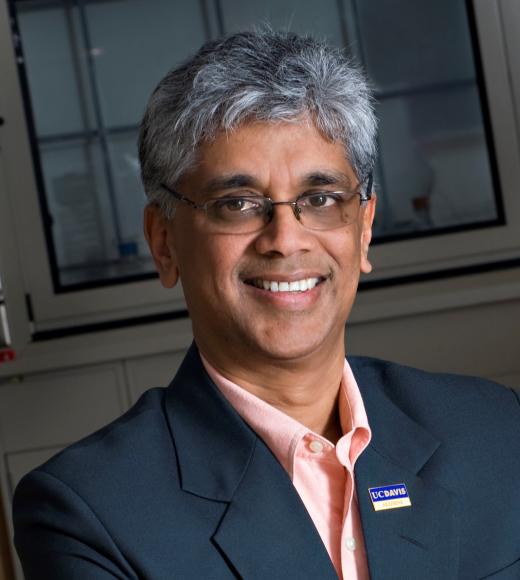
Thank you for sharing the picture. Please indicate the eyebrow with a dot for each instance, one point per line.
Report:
(229, 182)
(317, 178)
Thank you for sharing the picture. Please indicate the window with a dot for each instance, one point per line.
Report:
(449, 155)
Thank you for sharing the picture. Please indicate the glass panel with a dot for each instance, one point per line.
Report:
(54, 68)
(435, 171)
(435, 167)
(405, 43)
(75, 186)
(135, 42)
(322, 19)
(85, 239)
(90, 67)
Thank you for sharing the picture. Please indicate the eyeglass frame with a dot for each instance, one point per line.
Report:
(363, 197)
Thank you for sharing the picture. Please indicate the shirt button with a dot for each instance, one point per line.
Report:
(350, 544)
(316, 446)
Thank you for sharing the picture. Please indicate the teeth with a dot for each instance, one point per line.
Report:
(295, 286)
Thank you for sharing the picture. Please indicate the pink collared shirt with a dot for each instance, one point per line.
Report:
(322, 473)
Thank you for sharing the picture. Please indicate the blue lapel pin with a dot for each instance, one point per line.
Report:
(389, 497)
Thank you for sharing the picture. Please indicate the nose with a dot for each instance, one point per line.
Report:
(284, 235)
(293, 204)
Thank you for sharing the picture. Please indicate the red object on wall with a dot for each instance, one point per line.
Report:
(6, 355)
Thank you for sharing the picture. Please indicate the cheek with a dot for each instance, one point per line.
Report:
(209, 265)
(346, 251)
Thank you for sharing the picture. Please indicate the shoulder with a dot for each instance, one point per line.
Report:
(140, 435)
(113, 501)
(441, 401)
(475, 424)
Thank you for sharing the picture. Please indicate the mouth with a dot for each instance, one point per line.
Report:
(301, 285)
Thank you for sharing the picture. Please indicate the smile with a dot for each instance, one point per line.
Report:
(281, 286)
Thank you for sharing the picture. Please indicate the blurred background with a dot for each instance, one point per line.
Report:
(85, 327)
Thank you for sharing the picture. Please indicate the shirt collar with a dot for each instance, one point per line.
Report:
(282, 434)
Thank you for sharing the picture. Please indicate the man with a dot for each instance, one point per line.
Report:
(270, 455)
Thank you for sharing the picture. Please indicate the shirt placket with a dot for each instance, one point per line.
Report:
(352, 542)
(317, 475)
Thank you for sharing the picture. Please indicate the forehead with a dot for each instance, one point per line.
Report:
(284, 153)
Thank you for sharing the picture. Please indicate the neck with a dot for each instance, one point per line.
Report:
(305, 389)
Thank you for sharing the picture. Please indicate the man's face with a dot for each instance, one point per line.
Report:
(220, 273)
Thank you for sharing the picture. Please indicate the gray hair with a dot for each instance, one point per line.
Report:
(253, 76)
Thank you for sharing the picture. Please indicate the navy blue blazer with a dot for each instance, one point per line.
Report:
(181, 487)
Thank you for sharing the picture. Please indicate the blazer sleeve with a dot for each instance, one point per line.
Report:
(58, 535)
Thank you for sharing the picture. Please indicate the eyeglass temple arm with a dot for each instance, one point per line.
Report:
(180, 197)
(367, 194)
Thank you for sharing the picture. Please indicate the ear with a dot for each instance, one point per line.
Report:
(158, 231)
(369, 212)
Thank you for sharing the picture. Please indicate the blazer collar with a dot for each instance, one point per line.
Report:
(394, 434)
(213, 444)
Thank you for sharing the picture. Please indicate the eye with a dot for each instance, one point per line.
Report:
(236, 208)
(320, 199)
(237, 204)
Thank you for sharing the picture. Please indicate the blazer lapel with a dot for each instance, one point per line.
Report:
(265, 531)
(423, 537)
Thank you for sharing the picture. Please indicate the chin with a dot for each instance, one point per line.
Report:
(284, 350)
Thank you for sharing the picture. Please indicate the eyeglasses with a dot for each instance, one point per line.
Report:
(246, 212)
